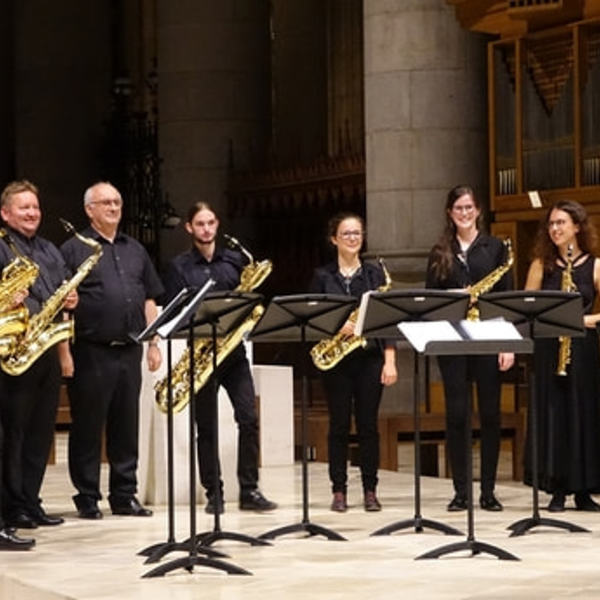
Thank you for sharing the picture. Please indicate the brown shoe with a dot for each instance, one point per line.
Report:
(371, 502)
(339, 504)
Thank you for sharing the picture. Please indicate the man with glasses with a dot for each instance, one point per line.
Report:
(117, 300)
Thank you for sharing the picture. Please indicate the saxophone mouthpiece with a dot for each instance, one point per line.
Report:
(68, 227)
(235, 243)
(231, 240)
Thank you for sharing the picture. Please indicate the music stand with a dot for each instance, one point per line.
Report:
(539, 314)
(305, 317)
(379, 316)
(213, 316)
(185, 296)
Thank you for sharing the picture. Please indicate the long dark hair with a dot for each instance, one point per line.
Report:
(442, 255)
(587, 237)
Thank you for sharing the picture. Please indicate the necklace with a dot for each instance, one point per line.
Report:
(347, 272)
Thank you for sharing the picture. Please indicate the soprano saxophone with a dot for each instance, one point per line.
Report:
(485, 284)
(253, 274)
(42, 332)
(17, 276)
(564, 341)
(329, 351)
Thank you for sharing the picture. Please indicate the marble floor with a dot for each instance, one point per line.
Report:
(97, 560)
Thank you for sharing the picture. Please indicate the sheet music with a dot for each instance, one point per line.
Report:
(362, 311)
(490, 329)
(420, 333)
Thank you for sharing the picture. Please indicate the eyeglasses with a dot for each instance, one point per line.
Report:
(346, 235)
(557, 223)
(106, 202)
(463, 209)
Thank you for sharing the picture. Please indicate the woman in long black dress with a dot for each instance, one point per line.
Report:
(568, 411)
(355, 384)
(463, 256)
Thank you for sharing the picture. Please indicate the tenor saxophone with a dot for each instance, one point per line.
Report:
(485, 284)
(252, 275)
(42, 332)
(330, 351)
(564, 341)
(17, 276)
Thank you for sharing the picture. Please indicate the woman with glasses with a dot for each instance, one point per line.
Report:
(568, 413)
(355, 383)
(464, 255)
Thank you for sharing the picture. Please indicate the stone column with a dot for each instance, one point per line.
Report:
(213, 65)
(426, 124)
(426, 131)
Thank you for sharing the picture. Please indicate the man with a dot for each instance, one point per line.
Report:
(29, 401)
(192, 269)
(116, 303)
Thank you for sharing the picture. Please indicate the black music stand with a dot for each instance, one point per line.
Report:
(306, 317)
(212, 316)
(538, 314)
(185, 296)
(379, 317)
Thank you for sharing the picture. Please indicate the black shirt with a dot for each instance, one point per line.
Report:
(112, 297)
(329, 280)
(52, 268)
(485, 254)
(191, 269)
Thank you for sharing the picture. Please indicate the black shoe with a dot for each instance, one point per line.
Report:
(583, 501)
(21, 520)
(10, 541)
(130, 507)
(339, 503)
(87, 509)
(557, 504)
(254, 500)
(457, 503)
(209, 509)
(490, 502)
(41, 517)
(370, 502)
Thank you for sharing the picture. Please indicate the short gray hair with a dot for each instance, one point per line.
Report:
(88, 196)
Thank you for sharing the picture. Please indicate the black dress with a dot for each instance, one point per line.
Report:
(568, 407)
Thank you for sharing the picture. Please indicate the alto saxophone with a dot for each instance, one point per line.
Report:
(17, 276)
(42, 332)
(485, 284)
(252, 275)
(329, 351)
(564, 341)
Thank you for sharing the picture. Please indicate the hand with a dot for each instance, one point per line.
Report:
(71, 300)
(19, 297)
(506, 360)
(590, 321)
(347, 329)
(389, 374)
(153, 357)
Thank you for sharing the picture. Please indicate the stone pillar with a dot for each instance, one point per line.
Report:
(426, 131)
(426, 124)
(213, 87)
(62, 96)
(7, 97)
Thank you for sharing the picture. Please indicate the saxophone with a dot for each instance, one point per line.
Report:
(485, 284)
(564, 341)
(17, 276)
(253, 274)
(329, 351)
(42, 332)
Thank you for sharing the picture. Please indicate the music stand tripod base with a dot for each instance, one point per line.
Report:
(310, 528)
(189, 562)
(419, 524)
(156, 552)
(524, 525)
(473, 546)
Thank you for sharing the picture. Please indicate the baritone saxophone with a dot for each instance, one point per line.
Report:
(330, 351)
(17, 276)
(252, 275)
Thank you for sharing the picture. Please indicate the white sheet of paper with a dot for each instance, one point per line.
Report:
(490, 329)
(420, 333)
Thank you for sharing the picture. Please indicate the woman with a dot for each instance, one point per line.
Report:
(463, 256)
(568, 414)
(357, 381)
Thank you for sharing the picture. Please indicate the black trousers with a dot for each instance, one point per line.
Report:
(354, 385)
(458, 372)
(104, 396)
(28, 408)
(234, 375)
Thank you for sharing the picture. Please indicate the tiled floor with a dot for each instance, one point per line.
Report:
(97, 560)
